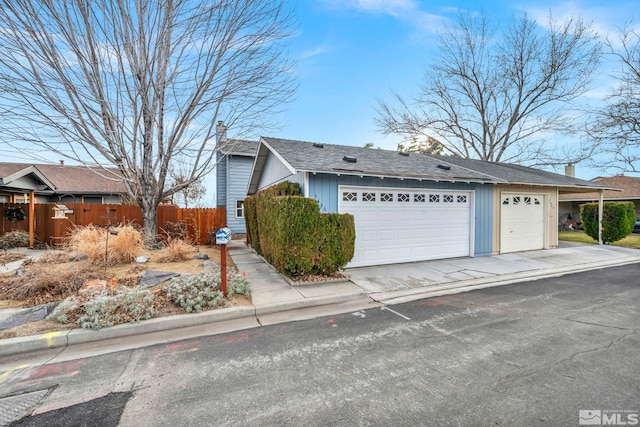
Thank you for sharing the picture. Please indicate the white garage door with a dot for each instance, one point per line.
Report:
(401, 225)
(521, 222)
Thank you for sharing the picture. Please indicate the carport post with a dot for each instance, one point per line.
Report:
(600, 213)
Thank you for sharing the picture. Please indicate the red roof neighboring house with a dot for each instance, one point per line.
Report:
(630, 192)
(630, 187)
(52, 182)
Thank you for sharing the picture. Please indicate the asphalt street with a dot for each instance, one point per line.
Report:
(534, 353)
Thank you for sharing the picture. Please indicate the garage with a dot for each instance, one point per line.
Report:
(522, 222)
(395, 225)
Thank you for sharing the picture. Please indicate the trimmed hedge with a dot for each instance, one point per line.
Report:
(618, 219)
(289, 231)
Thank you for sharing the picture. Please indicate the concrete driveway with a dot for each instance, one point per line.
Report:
(404, 282)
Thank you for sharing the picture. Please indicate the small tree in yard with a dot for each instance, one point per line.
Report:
(618, 219)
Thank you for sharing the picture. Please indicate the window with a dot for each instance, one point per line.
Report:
(505, 201)
(403, 197)
(434, 198)
(462, 198)
(239, 208)
(386, 197)
(418, 198)
(448, 198)
(536, 201)
(527, 200)
(516, 200)
(349, 196)
(368, 197)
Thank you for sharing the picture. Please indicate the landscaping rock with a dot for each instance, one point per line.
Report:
(19, 272)
(201, 256)
(211, 265)
(78, 257)
(142, 259)
(19, 316)
(151, 278)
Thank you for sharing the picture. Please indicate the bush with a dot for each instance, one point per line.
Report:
(13, 239)
(123, 247)
(193, 292)
(177, 250)
(618, 219)
(105, 308)
(294, 237)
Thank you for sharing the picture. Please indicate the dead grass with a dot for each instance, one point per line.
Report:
(47, 281)
(6, 257)
(120, 245)
(178, 250)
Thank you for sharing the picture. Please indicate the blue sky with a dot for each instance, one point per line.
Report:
(350, 52)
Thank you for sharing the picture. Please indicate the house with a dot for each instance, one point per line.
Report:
(51, 183)
(569, 203)
(413, 207)
(234, 160)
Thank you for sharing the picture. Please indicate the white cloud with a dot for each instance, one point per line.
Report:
(405, 10)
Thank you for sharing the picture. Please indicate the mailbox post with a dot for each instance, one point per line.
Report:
(223, 236)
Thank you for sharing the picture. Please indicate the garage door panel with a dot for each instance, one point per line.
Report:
(408, 225)
(522, 223)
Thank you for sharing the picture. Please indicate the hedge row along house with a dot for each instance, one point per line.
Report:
(413, 207)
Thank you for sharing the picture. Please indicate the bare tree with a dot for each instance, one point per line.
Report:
(140, 84)
(493, 95)
(191, 194)
(617, 125)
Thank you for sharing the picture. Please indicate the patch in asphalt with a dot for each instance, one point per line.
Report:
(104, 411)
(12, 408)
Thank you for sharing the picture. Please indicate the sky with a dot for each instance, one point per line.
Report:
(349, 53)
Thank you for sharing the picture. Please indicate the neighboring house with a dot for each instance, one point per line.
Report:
(234, 162)
(59, 183)
(412, 207)
(630, 186)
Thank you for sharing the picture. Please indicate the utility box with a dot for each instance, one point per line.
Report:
(223, 236)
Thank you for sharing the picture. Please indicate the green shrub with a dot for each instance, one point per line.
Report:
(13, 239)
(292, 235)
(618, 219)
(105, 308)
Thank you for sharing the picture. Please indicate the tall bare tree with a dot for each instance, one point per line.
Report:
(190, 195)
(493, 95)
(140, 84)
(617, 125)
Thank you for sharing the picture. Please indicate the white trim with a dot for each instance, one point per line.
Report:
(343, 206)
(305, 180)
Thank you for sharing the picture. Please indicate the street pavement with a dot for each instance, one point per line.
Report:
(537, 353)
(276, 300)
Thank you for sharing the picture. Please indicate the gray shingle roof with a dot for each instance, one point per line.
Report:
(314, 157)
(306, 156)
(517, 174)
(239, 147)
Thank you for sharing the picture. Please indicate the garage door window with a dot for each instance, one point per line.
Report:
(386, 197)
(349, 196)
(368, 197)
(434, 198)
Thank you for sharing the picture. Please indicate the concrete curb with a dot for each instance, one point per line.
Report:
(59, 339)
(407, 295)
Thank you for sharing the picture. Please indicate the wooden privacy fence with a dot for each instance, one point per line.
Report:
(200, 221)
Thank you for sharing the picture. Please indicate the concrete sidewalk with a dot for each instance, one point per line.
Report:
(275, 300)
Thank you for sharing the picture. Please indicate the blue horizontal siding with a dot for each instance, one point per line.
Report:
(324, 188)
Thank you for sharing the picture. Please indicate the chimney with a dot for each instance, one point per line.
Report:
(221, 134)
(570, 170)
(61, 162)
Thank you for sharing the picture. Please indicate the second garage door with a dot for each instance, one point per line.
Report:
(521, 222)
(402, 225)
